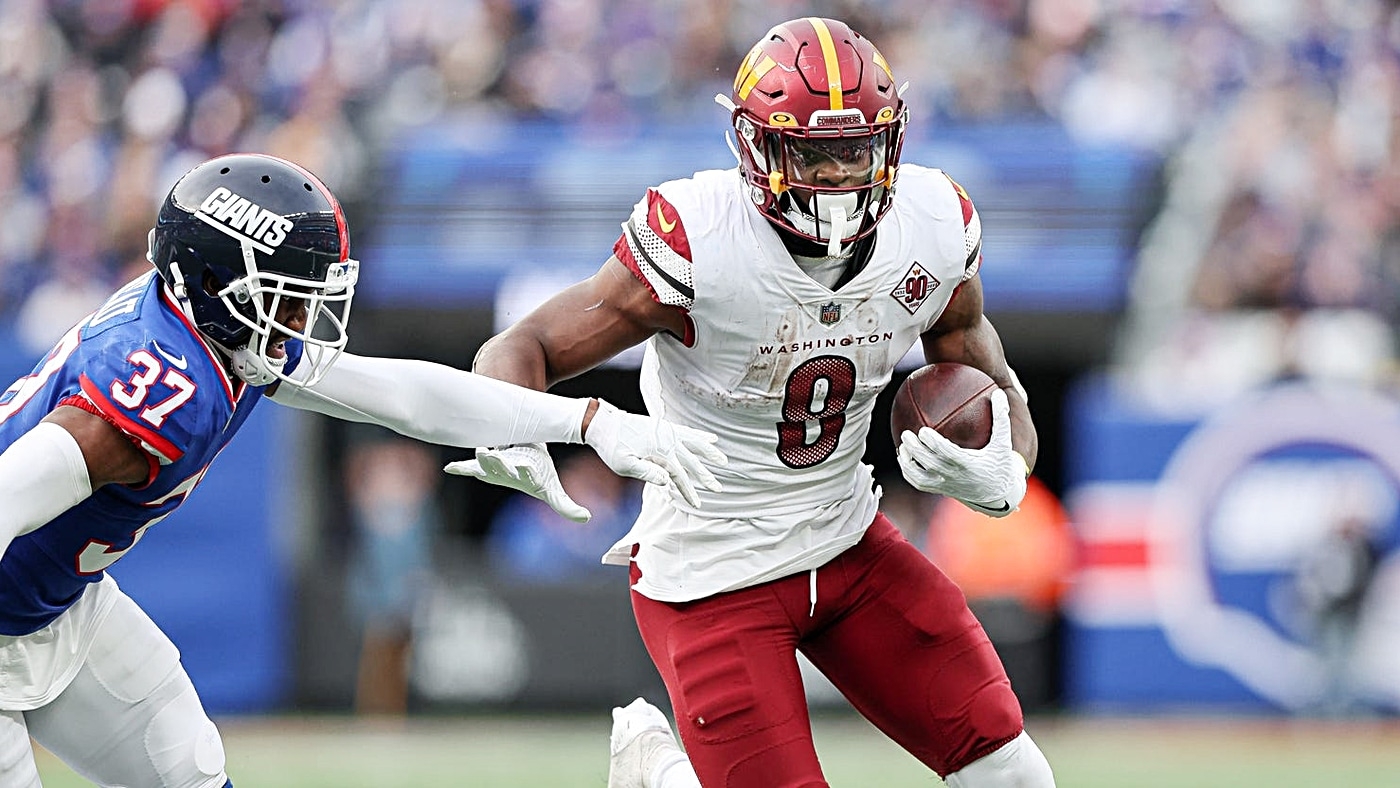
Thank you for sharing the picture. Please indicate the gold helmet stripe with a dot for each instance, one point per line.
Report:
(833, 66)
(883, 64)
(749, 76)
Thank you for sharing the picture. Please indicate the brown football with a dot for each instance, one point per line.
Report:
(953, 399)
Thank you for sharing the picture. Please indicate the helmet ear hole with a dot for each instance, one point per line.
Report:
(210, 284)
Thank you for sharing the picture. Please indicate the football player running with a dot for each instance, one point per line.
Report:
(249, 298)
(775, 300)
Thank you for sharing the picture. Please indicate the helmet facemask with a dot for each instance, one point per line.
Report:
(257, 299)
(834, 184)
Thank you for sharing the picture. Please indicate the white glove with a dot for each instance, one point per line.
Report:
(655, 450)
(527, 468)
(991, 480)
(639, 447)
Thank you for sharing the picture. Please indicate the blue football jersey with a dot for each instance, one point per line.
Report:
(140, 364)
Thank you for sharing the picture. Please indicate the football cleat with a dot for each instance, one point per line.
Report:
(641, 742)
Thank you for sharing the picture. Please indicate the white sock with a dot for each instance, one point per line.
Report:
(1017, 764)
(674, 771)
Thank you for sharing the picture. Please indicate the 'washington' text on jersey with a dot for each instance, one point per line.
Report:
(829, 342)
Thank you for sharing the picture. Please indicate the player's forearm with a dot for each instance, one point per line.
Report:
(966, 336)
(438, 404)
(42, 475)
(1023, 433)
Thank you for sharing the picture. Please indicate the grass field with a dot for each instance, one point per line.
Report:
(571, 752)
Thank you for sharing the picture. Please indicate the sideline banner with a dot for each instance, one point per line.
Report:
(1247, 559)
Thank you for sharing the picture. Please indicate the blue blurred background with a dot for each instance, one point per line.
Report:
(1190, 213)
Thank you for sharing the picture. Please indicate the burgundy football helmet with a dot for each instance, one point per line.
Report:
(819, 125)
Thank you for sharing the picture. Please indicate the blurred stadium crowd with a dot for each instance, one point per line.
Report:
(1278, 115)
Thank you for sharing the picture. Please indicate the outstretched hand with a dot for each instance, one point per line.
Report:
(639, 447)
(655, 450)
(991, 480)
(527, 468)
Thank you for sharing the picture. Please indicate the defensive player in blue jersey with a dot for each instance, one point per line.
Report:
(120, 421)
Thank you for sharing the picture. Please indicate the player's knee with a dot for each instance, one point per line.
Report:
(995, 713)
(184, 746)
(1017, 764)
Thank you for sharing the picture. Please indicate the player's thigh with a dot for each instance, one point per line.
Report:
(17, 768)
(730, 667)
(913, 659)
(131, 716)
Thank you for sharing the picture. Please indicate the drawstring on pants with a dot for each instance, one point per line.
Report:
(812, 594)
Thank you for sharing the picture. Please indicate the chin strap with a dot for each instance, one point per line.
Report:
(253, 369)
(177, 286)
(838, 230)
(833, 211)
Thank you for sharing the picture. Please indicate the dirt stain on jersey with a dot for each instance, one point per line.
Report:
(801, 337)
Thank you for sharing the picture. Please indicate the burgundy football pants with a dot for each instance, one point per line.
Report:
(890, 630)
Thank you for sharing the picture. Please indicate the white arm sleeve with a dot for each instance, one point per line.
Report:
(42, 475)
(437, 403)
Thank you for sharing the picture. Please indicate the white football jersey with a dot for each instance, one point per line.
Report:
(783, 369)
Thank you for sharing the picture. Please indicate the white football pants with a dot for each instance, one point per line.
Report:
(130, 718)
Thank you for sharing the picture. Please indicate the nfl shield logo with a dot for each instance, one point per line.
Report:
(830, 314)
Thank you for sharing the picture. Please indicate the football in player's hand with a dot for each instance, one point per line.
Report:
(953, 399)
